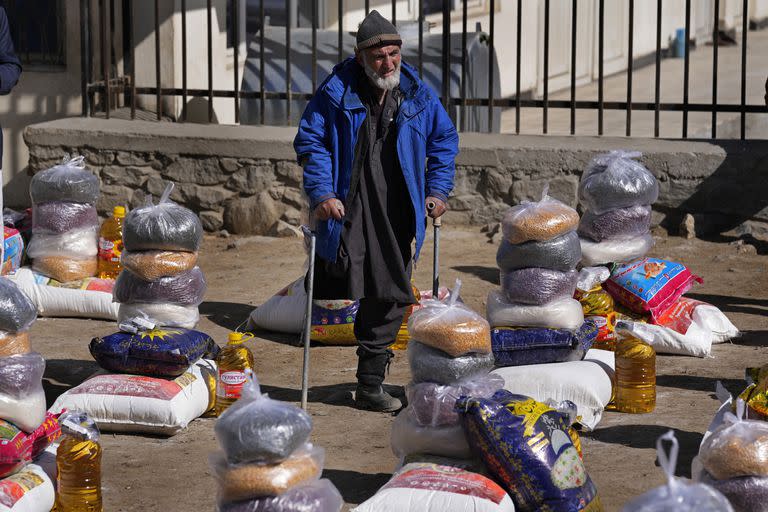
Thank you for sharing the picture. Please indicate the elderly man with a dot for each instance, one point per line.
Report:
(363, 141)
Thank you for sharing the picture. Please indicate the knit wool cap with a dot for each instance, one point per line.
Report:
(375, 30)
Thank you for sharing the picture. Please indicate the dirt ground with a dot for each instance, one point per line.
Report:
(171, 474)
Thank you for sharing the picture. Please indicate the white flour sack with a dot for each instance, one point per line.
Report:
(29, 490)
(429, 487)
(138, 404)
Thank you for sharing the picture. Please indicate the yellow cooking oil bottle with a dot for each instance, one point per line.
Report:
(78, 460)
(402, 338)
(635, 374)
(111, 244)
(233, 362)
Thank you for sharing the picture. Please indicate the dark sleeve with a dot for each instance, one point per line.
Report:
(10, 66)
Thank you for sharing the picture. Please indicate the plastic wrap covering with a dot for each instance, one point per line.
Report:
(22, 400)
(17, 313)
(562, 253)
(185, 289)
(450, 326)
(527, 447)
(238, 482)
(737, 448)
(60, 217)
(162, 315)
(538, 220)
(408, 437)
(14, 343)
(515, 347)
(746, 493)
(68, 182)
(432, 365)
(78, 244)
(538, 286)
(165, 226)
(592, 277)
(432, 405)
(152, 265)
(618, 250)
(615, 180)
(257, 429)
(564, 313)
(64, 269)
(158, 353)
(318, 496)
(619, 223)
(677, 495)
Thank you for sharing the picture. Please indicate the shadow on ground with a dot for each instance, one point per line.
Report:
(356, 487)
(229, 315)
(490, 274)
(731, 304)
(63, 374)
(645, 436)
(699, 383)
(341, 395)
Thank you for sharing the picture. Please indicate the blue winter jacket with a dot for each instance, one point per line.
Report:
(325, 146)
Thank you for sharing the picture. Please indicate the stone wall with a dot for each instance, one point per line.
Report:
(244, 178)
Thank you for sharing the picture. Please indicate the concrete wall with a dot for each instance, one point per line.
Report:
(244, 178)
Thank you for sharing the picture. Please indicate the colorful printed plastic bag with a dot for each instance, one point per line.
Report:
(13, 250)
(515, 347)
(18, 448)
(333, 321)
(526, 446)
(650, 284)
(677, 495)
(157, 353)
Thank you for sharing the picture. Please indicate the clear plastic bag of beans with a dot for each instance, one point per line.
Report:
(539, 220)
(450, 326)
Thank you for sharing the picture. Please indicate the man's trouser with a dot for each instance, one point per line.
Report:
(376, 327)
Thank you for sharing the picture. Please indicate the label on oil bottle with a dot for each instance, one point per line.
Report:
(230, 383)
(110, 250)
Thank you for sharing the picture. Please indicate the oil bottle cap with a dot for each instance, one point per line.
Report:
(118, 211)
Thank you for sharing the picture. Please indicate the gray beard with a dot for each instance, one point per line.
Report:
(385, 84)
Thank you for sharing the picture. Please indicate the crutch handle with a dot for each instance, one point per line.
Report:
(438, 222)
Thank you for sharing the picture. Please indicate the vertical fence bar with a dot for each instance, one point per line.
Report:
(600, 58)
(490, 66)
(106, 47)
(545, 107)
(262, 86)
(341, 29)
(744, 19)
(687, 64)
(518, 64)
(314, 46)
(446, 92)
(464, 58)
(421, 38)
(210, 60)
(394, 12)
(132, 47)
(85, 54)
(159, 92)
(573, 66)
(368, 6)
(630, 65)
(715, 51)
(184, 84)
(236, 48)
(288, 84)
(657, 92)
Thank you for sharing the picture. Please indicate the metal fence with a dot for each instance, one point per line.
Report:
(115, 89)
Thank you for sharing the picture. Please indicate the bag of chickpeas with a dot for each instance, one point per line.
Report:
(450, 326)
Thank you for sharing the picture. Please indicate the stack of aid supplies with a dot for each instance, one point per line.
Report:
(616, 193)
(25, 428)
(65, 223)
(539, 336)
(152, 382)
(450, 356)
(265, 461)
(160, 284)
